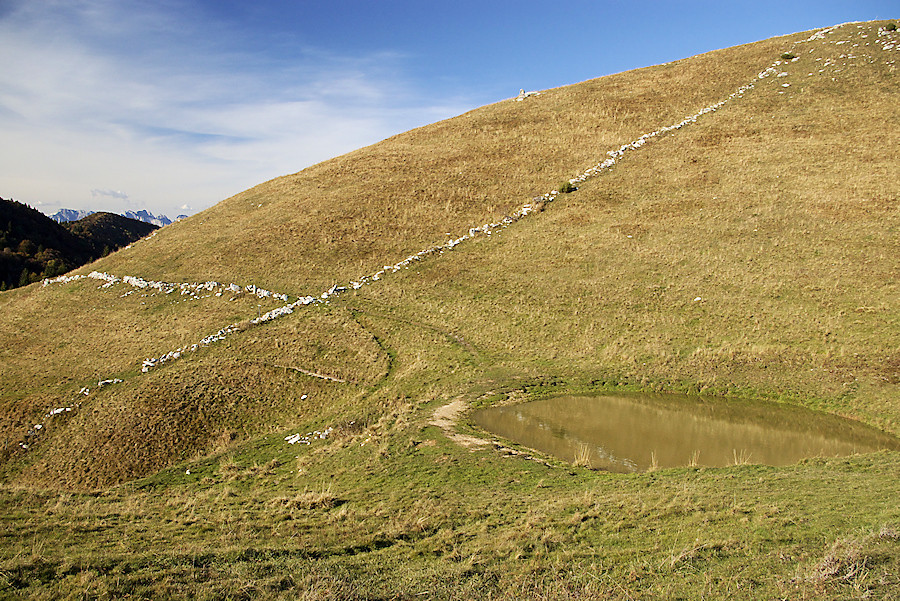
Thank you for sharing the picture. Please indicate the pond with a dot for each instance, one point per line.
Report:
(634, 433)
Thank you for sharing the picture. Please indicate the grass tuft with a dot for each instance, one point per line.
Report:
(321, 499)
(583, 456)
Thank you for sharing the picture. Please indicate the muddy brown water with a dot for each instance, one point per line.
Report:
(632, 433)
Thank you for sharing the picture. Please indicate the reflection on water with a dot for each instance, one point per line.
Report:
(625, 433)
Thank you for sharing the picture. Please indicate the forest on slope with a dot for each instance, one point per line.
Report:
(33, 246)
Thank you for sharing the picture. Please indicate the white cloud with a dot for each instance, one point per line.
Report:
(110, 193)
(98, 97)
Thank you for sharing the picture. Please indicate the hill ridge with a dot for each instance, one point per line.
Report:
(770, 73)
(486, 229)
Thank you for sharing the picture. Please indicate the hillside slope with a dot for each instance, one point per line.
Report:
(106, 232)
(335, 221)
(748, 252)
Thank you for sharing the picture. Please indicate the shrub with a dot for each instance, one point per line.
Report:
(891, 26)
(566, 187)
(788, 56)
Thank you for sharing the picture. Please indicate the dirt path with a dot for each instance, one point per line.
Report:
(446, 417)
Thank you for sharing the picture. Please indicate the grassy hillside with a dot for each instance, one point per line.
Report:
(749, 254)
(343, 218)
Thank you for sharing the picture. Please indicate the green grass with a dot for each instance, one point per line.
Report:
(772, 211)
(430, 517)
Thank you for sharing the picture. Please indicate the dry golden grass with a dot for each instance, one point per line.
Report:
(771, 211)
(784, 231)
(190, 408)
(854, 566)
(344, 218)
(309, 499)
(222, 394)
(582, 456)
(88, 334)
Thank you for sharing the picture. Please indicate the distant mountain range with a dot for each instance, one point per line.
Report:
(65, 215)
(34, 246)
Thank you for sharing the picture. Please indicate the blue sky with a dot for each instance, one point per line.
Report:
(173, 105)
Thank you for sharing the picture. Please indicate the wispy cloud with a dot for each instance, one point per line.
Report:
(109, 193)
(97, 96)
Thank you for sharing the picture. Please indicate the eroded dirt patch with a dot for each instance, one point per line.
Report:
(447, 416)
